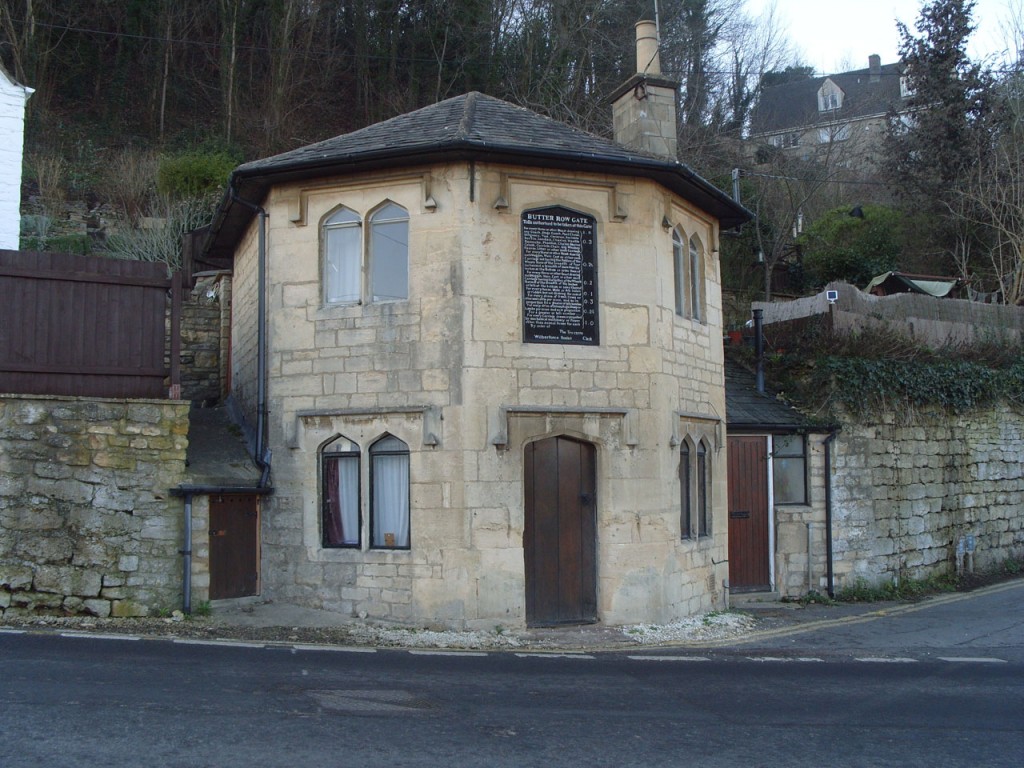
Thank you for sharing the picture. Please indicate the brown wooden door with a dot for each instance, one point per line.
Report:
(559, 539)
(749, 564)
(234, 546)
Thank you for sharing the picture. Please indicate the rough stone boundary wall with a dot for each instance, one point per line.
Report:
(205, 335)
(931, 321)
(908, 488)
(86, 521)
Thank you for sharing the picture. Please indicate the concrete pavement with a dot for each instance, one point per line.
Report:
(983, 620)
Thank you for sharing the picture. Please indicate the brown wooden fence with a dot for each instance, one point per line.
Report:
(87, 326)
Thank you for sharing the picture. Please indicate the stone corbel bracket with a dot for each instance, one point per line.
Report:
(499, 417)
(431, 414)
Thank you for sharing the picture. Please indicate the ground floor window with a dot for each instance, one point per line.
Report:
(695, 506)
(389, 491)
(342, 500)
(789, 469)
(340, 508)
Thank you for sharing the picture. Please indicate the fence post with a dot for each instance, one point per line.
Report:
(174, 393)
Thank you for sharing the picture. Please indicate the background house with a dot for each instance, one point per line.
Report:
(494, 388)
(13, 97)
(840, 115)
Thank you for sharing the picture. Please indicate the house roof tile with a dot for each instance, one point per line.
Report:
(471, 126)
(795, 104)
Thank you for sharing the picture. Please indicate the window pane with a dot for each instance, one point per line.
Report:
(389, 481)
(696, 281)
(341, 501)
(703, 523)
(788, 445)
(686, 511)
(679, 273)
(789, 485)
(342, 249)
(389, 254)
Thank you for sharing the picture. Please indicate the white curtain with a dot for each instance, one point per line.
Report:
(348, 494)
(391, 500)
(342, 262)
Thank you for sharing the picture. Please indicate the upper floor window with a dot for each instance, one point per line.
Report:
(834, 133)
(355, 270)
(339, 470)
(696, 279)
(389, 253)
(389, 494)
(830, 97)
(906, 87)
(343, 256)
(679, 270)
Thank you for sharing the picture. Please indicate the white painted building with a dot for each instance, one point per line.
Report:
(13, 97)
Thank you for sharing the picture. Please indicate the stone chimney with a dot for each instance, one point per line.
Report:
(875, 67)
(644, 107)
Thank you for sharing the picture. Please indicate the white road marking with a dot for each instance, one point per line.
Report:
(98, 636)
(972, 659)
(886, 660)
(226, 643)
(539, 655)
(421, 652)
(669, 658)
(338, 648)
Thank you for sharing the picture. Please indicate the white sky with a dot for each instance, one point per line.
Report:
(838, 35)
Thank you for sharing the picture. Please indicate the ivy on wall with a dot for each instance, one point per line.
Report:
(873, 384)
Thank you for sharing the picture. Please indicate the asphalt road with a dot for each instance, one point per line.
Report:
(83, 701)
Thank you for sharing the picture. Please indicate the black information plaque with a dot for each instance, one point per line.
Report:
(559, 277)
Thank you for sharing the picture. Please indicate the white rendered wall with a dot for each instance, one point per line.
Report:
(12, 139)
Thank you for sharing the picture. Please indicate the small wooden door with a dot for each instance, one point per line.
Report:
(559, 539)
(234, 546)
(749, 561)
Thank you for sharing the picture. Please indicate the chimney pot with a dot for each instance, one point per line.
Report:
(875, 67)
(648, 61)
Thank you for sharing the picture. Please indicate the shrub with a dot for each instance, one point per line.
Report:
(194, 174)
(852, 248)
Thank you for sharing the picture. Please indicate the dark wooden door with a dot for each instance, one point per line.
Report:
(234, 546)
(559, 539)
(749, 563)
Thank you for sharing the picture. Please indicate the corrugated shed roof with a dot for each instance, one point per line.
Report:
(467, 127)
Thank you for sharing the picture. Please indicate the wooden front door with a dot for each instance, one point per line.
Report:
(559, 538)
(234, 546)
(749, 562)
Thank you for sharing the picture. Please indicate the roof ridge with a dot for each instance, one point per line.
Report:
(468, 114)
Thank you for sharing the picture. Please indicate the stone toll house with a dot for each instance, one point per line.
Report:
(491, 340)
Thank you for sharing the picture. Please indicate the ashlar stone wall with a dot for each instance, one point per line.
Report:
(448, 373)
(86, 521)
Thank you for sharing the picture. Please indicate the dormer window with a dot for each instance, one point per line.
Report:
(830, 97)
(906, 89)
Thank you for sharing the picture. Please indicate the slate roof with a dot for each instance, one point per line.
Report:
(795, 105)
(467, 127)
(746, 409)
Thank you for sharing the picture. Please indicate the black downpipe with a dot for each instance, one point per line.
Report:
(262, 454)
(828, 514)
(759, 348)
